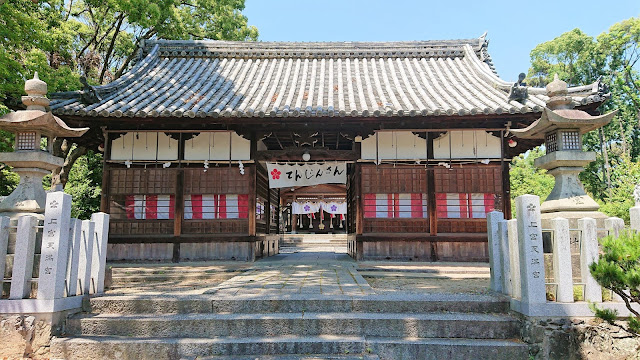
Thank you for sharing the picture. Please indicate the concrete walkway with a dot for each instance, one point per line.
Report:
(310, 273)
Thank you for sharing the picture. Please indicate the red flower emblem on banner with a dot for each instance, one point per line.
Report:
(275, 174)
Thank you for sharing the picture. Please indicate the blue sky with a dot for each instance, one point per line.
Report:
(514, 27)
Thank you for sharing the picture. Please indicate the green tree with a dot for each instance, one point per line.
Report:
(625, 175)
(84, 185)
(8, 179)
(110, 31)
(613, 57)
(34, 37)
(66, 39)
(526, 178)
(618, 269)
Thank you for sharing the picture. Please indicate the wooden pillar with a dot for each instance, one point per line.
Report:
(178, 214)
(104, 195)
(431, 198)
(294, 217)
(506, 179)
(506, 190)
(431, 188)
(253, 193)
(359, 199)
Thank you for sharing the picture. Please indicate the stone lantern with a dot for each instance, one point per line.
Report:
(561, 126)
(34, 130)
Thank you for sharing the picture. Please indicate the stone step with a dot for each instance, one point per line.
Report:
(292, 357)
(281, 347)
(449, 349)
(114, 347)
(419, 303)
(310, 239)
(450, 325)
(313, 243)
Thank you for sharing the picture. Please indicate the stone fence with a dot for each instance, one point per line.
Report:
(545, 271)
(52, 263)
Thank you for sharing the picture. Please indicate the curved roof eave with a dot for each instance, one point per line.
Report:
(210, 79)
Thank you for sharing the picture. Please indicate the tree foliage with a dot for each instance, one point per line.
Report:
(110, 31)
(84, 185)
(526, 178)
(65, 39)
(618, 269)
(613, 57)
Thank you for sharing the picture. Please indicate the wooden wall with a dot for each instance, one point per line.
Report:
(432, 238)
(468, 179)
(131, 182)
(390, 179)
(137, 235)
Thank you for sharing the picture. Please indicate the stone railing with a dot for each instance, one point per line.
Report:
(70, 264)
(546, 271)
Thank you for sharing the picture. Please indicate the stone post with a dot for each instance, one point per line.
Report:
(530, 249)
(55, 246)
(503, 232)
(514, 258)
(614, 226)
(4, 242)
(634, 213)
(589, 254)
(495, 263)
(23, 258)
(74, 259)
(86, 256)
(99, 261)
(562, 270)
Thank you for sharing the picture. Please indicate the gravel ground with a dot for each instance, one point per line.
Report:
(386, 285)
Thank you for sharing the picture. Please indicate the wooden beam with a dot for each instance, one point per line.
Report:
(316, 155)
(164, 239)
(198, 123)
(452, 237)
(253, 145)
(278, 140)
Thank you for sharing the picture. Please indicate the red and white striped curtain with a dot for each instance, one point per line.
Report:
(216, 206)
(464, 205)
(405, 205)
(150, 206)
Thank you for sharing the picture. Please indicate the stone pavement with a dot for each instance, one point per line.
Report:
(311, 273)
(301, 274)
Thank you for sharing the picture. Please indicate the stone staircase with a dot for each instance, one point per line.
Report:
(431, 326)
(291, 243)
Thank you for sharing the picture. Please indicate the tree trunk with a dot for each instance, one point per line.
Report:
(605, 165)
(623, 136)
(105, 66)
(60, 177)
(125, 64)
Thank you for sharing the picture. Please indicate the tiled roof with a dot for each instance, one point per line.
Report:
(275, 79)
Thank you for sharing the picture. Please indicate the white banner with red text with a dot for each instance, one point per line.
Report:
(290, 175)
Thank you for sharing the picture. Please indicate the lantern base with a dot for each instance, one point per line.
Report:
(28, 196)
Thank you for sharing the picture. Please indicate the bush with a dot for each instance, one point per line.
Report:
(618, 269)
(607, 315)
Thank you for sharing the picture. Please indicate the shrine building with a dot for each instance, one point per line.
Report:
(215, 149)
